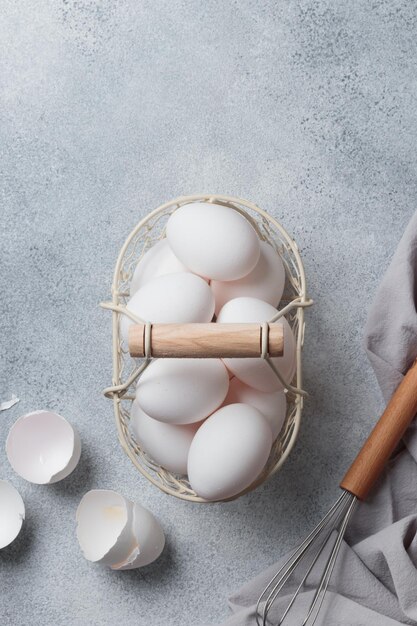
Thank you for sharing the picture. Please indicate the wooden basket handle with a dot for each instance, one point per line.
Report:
(385, 436)
(205, 340)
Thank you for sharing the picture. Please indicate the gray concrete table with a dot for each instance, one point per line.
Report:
(110, 108)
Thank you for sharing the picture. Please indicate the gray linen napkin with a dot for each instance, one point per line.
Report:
(375, 579)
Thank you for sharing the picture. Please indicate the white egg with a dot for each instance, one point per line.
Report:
(182, 391)
(266, 281)
(43, 447)
(229, 452)
(170, 299)
(273, 406)
(12, 513)
(166, 444)
(104, 527)
(159, 260)
(213, 241)
(256, 372)
(149, 537)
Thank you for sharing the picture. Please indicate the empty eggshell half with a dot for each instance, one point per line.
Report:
(114, 531)
(229, 452)
(166, 444)
(182, 391)
(43, 447)
(104, 527)
(12, 513)
(173, 298)
(273, 406)
(159, 260)
(256, 372)
(149, 537)
(266, 281)
(214, 241)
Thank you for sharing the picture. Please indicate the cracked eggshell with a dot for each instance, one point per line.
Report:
(12, 513)
(159, 260)
(273, 406)
(256, 372)
(43, 447)
(150, 540)
(171, 299)
(166, 444)
(229, 451)
(213, 241)
(182, 391)
(104, 527)
(266, 281)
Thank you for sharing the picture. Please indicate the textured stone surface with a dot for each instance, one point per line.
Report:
(110, 108)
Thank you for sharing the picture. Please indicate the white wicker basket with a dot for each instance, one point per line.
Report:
(125, 369)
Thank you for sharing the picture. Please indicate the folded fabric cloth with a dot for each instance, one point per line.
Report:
(375, 578)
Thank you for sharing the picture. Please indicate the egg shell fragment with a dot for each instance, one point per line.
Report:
(214, 241)
(166, 444)
(12, 513)
(43, 447)
(256, 372)
(104, 527)
(173, 298)
(265, 282)
(159, 260)
(273, 406)
(149, 537)
(228, 452)
(182, 391)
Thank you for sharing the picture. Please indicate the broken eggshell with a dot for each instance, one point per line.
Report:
(43, 447)
(113, 531)
(150, 540)
(104, 529)
(12, 513)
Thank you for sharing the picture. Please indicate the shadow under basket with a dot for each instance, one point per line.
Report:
(147, 233)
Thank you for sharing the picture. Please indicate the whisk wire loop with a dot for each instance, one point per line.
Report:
(335, 521)
(317, 555)
(278, 581)
(325, 579)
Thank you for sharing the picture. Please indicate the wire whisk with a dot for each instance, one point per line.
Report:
(322, 546)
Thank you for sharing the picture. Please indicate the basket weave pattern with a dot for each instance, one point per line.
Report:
(126, 369)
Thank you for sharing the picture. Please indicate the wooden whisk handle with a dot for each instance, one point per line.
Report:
(205, 340)
(383, 439)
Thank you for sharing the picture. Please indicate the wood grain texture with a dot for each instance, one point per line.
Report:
(379, 446)
(205, 340)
